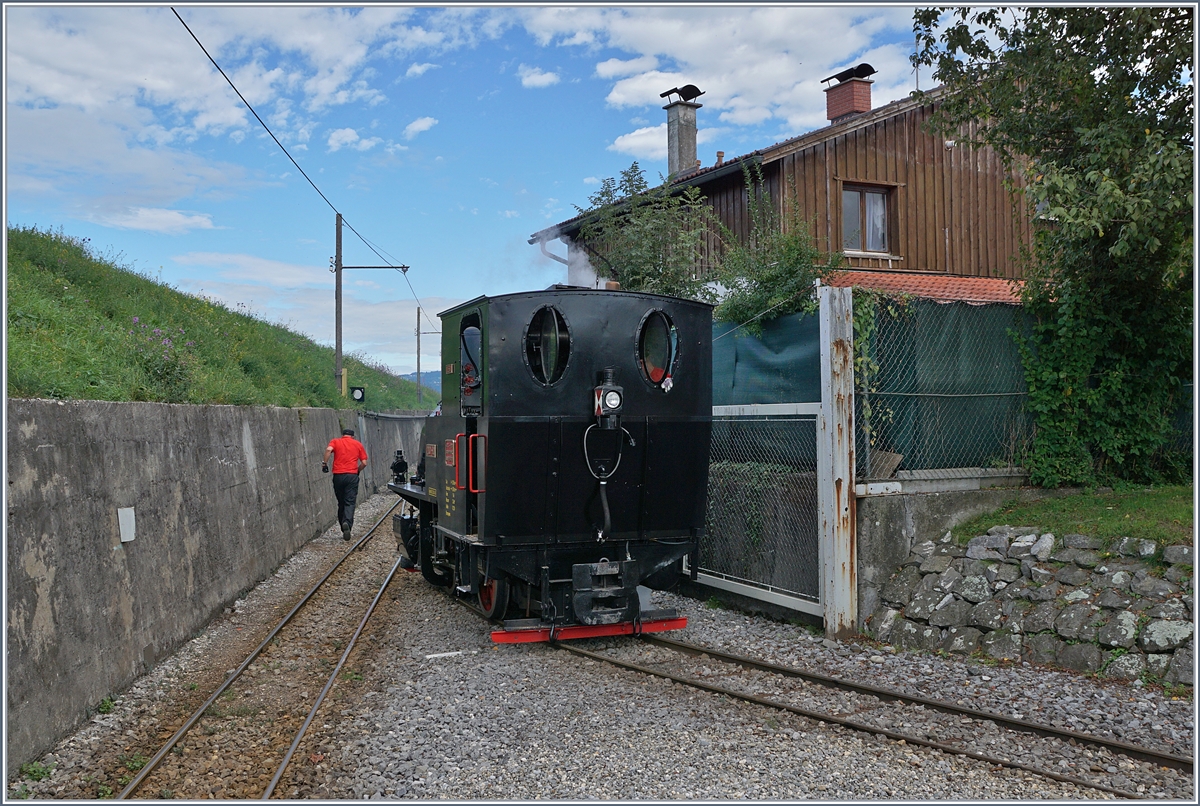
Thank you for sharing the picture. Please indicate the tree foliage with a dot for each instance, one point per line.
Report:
(1094, 108)
(669, 241)
(648, 239)
(772, 273)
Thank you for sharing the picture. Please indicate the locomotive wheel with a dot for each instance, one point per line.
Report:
(493, 598)
(432, 575)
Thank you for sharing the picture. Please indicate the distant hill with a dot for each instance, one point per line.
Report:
(83, 328)
(430, 380)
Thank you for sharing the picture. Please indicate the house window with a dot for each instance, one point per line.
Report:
(864, 220)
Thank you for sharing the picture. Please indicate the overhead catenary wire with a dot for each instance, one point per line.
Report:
(369, 245)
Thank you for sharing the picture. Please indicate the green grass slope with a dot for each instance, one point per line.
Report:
(81, 327)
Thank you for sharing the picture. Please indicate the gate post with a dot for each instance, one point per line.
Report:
(835, 463)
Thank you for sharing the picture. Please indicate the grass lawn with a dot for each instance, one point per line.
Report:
(1163, 513)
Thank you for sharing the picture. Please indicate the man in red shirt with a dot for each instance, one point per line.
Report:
(349, 458)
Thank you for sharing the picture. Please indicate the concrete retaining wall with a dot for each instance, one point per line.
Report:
(220, 496)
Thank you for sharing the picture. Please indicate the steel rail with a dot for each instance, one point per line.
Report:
(287, 757)
(1133, 751)
(823, 717)
(153, 763)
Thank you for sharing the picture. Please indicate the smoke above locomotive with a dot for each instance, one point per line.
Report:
(568, 471)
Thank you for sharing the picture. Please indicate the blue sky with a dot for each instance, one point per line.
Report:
(445, 135)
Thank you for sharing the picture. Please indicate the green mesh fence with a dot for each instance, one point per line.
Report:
(939, 388)
(781, 366)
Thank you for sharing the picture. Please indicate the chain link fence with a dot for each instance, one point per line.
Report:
(761, 527)
(939, 390)
(1179, 449)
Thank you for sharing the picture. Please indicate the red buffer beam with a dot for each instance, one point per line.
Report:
(586, 631)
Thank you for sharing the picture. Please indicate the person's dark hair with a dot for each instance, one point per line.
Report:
(347, 432)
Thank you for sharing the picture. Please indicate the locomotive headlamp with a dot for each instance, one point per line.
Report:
(609, 398)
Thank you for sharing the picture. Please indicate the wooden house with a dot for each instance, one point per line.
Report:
(874, 185)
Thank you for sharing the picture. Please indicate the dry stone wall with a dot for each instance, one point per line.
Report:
(1122, 609)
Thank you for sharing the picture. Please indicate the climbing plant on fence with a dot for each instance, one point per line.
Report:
(868, 306)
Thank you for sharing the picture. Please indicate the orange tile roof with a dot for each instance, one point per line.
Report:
(940, 287)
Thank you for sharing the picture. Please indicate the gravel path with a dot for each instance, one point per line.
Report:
(982, 736)
(530, 722)
(442, 713)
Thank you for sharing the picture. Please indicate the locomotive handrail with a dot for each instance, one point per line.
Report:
(471, 460)
(458, 485)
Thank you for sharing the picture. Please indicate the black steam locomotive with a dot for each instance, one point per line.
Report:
(567, 472)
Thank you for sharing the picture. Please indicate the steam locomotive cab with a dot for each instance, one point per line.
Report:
(569, 465)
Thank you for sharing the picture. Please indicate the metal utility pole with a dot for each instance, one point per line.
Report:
(338, 375)
(418, 355)
(336, 267)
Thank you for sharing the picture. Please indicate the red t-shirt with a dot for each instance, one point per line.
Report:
(346, 453)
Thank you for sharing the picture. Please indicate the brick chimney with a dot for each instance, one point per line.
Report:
(851, 96)
(681, 130)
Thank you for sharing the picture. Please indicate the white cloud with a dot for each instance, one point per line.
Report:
(349, 138)
(170, 222)
(591, 180)
(649, 143)
(259, 271)
(415, 70)
(535, 78)
(509, 214)
(613, 68)
(755, 64)
(78, 158)
(419, 125)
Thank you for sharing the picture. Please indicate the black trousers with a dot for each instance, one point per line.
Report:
(345, 487)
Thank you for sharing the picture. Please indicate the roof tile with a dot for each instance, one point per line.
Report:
(940, 287)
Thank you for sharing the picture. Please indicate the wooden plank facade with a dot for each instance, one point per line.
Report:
(948, 210)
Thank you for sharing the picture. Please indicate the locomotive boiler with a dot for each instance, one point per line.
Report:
(567, 472)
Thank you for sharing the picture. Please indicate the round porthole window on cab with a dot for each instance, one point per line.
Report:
(547, 345)
(658, 347)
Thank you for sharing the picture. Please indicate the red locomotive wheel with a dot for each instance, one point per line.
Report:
(493, 598)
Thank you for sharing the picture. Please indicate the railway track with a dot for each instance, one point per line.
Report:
(263, 708)
(1106, 765)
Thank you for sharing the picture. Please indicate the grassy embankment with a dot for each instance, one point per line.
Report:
(1161, 513)
(81, 327)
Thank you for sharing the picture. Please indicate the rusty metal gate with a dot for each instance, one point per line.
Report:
(762, 527)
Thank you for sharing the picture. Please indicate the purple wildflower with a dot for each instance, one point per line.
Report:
(190, 344)
(135, 320)
(157, 332)
(167, 342)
